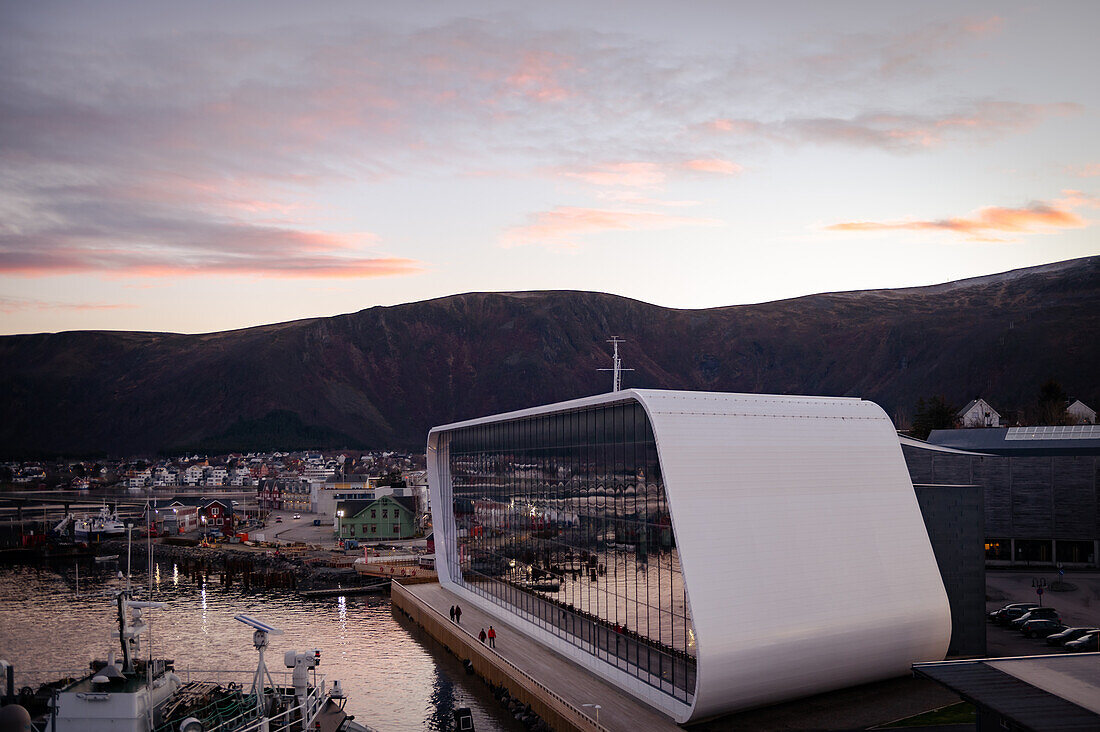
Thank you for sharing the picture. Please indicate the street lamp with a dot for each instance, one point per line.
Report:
(339, 515)
(597, 707)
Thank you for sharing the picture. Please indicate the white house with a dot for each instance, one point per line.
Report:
(1081, 412)
(978, 413)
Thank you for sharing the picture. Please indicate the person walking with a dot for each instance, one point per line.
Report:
(458, 615)
(481, 636)
(452, 613)
(492, 637)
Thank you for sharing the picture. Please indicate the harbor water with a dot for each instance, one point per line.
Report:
(396, 678)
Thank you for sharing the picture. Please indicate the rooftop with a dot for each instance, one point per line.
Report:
(1036, 692)
(1030, 441)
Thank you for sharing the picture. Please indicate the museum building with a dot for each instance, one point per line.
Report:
(705, 552)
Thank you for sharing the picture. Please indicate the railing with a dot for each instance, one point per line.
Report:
(516, 672)
(220, 715)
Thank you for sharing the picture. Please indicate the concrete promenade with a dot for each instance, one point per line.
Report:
(565, 686)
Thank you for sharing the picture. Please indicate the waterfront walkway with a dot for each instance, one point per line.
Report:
(564, 679)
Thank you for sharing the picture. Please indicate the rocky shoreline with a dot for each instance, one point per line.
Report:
(249, 569)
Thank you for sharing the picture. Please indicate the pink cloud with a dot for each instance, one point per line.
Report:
(985, 26)
(625, 175)
(181, 248)
(1090, 170)
(562, 226)
(10, 305)
(734, 126)
(983, 224)
(713, 165)
(538, 76)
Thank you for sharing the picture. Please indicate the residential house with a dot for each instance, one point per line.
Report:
(193, 475)
(1081, 413)
(383, 519)
(217, 514)
(978, 413)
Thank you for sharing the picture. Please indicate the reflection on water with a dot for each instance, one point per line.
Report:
(395, 677)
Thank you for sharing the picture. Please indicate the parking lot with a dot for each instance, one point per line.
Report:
(1079, 607)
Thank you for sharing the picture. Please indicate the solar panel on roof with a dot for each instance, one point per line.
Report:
(1055, 432)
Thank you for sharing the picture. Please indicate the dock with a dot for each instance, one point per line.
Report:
(555, 687)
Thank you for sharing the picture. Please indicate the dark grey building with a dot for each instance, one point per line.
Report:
(1040, 487)
(954, 517)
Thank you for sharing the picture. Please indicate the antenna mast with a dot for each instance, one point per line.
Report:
(617, 378)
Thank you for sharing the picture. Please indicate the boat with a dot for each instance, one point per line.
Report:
(127, 693)
(104, 525)
(107, 558)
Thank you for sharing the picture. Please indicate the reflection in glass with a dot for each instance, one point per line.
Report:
(563, 519)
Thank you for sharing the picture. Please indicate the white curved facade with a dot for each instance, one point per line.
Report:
(805, 558)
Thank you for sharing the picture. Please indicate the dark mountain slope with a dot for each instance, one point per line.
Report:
(383, 376)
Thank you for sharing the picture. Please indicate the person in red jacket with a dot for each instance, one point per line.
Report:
(492, 637)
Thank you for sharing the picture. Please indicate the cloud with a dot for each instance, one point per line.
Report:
(1089, 170)
(646, 175)
(189, 152)
(985, 223)
(564, 225)
(10, 305)
(626, 175)
(84, 232)
(900, 132)
(713, 165)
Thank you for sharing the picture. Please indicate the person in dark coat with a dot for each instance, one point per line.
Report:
(452, 613)
(458, 615)
(481, 635)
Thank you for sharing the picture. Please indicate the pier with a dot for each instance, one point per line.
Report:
(554, 687)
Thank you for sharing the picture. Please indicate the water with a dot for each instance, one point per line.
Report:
(396, 678)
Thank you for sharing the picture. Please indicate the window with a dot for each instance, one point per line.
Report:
(385, 513)
(997, 549)
(611, 539)
(374, 528)
(373, 513)
(397, 528)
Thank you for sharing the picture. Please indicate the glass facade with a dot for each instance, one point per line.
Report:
(562, 518)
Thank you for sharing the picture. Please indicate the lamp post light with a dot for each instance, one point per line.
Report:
(597, 708)
(339, 515)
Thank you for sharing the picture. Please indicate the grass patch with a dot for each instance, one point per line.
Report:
(958, 713)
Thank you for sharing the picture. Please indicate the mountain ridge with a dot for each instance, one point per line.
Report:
(382, 376)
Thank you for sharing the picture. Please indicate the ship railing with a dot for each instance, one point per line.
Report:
(34, 678)
(291, 713)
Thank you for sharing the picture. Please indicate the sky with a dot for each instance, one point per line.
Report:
(204, 166)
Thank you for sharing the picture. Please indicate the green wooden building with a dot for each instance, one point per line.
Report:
(388, 517)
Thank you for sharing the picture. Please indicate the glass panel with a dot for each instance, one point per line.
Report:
(563, 519)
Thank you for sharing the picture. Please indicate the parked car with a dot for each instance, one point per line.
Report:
(1013, 613)
(1035, 613)
(1084, 644)
(997, 614)
(1041, 628)
(278, 519)
(1067, 635)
